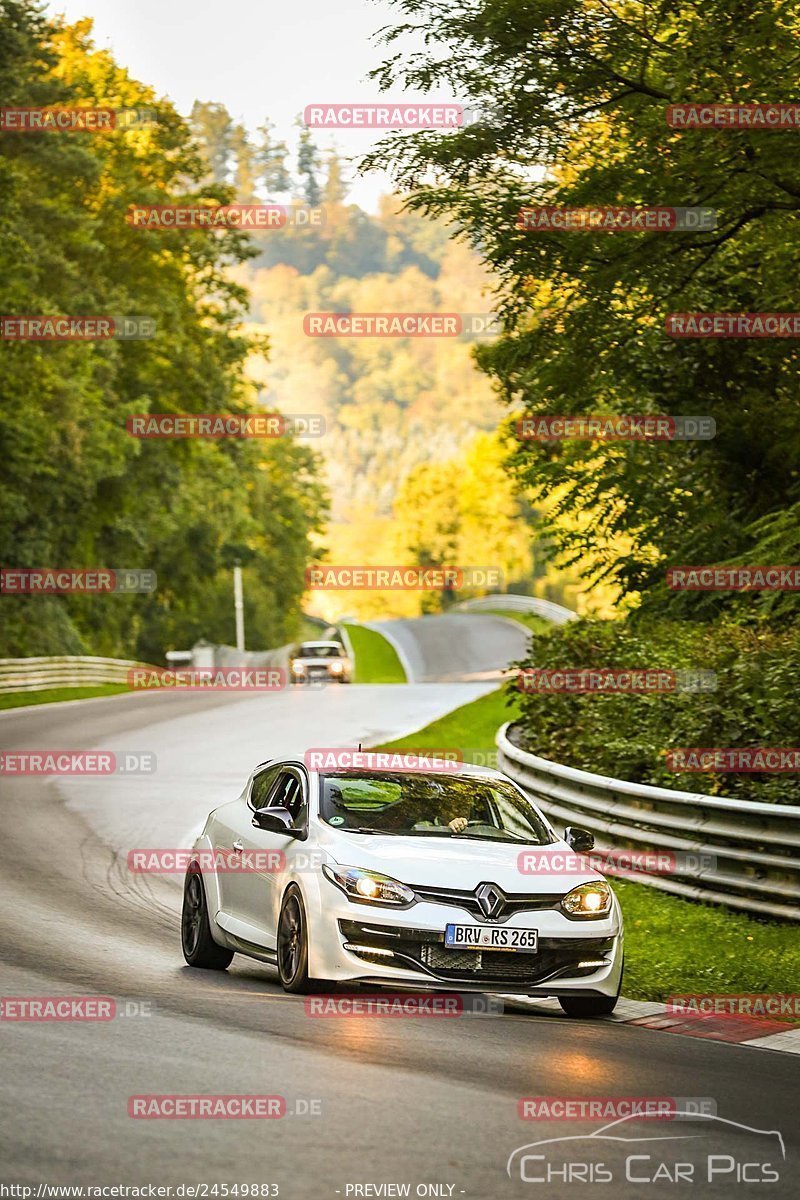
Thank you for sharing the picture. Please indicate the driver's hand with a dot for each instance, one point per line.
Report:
(457, 824)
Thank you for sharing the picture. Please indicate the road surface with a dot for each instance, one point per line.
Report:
(423, 1103)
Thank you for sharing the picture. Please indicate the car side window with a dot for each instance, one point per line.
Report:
(288, 793)
(262, 786)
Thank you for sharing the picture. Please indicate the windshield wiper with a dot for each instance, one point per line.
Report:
(511, 839)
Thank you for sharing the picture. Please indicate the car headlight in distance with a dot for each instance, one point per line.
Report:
(298, 669)
(336, 667)
(368, 887)
(588, 900)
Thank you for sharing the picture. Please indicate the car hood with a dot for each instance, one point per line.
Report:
(452, 862)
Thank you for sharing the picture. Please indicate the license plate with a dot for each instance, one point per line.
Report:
(477, 937)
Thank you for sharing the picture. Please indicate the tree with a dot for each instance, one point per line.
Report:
(308, 166)
(271, 161)
(574, 96)
(213, 127)
(244, 173)
(77, 490)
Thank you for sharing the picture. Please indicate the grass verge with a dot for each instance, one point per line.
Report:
(672, 946)
(530, 620)
(376, 659)
(52, 695)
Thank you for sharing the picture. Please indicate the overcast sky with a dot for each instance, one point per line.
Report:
(261, 58)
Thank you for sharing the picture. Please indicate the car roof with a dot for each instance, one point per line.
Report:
(310, 643)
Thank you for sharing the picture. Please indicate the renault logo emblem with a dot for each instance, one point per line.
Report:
(491, 899)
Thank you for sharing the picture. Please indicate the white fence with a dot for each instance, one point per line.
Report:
(69, 670)
(514, 603)
(739, 853)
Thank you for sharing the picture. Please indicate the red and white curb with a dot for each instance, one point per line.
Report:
(739, 1030)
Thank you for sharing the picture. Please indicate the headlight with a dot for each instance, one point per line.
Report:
(336, 667)
(588, 900)
(368, 887)
(298, 669)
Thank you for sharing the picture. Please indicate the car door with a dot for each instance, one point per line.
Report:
(261, 889)
(234, 837)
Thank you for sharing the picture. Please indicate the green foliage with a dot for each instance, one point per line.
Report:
(627, 736)
(77, 489)
(574, 96)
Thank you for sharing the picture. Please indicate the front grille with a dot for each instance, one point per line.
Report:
(515, 902)
(425, 951)
(501, 965)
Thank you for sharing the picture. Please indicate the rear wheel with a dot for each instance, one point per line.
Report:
(199, 948)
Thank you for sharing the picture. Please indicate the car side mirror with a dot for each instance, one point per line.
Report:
(275, 820)
(579, 839)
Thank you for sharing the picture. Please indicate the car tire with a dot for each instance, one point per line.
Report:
(592, 1006)
(292, 949)
(199, 948)
(588, 1006)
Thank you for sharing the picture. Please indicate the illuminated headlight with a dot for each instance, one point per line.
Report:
(588, 900)
(336, 667)
(298, 668)
(368, 887)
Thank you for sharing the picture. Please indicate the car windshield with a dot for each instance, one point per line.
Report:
(411, 804)
(310, 650)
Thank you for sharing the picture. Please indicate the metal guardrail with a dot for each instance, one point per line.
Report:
(740, 853)
(69, 670)
(515, 603)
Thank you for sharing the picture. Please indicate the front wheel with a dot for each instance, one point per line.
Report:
(588, 1006)
(199, 948)
(293, 946)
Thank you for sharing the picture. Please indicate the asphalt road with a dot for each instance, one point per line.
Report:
(455, 646)
(371, 1102)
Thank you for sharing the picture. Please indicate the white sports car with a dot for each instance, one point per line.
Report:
(405, 877)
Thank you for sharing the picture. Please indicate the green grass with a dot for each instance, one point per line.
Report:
(471, 729)
(672, 946)
(376, 659)
(530, 620)
(51, 695)
(676, 946)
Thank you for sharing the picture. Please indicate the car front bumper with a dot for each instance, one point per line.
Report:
(366, 944)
